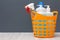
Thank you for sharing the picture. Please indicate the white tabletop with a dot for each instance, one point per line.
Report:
(25, 36)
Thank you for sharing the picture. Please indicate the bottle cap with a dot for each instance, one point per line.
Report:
(41, 3)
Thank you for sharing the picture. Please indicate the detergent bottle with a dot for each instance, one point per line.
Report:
(48, 8)
(48, 11)
(40, 8)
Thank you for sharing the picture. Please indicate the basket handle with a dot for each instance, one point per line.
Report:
(55, 13)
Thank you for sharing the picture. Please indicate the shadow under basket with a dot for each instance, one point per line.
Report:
(43, 26)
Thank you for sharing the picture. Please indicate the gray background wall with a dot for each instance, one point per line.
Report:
(14, 18)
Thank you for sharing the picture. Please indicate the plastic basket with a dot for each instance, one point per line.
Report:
(43, 26)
